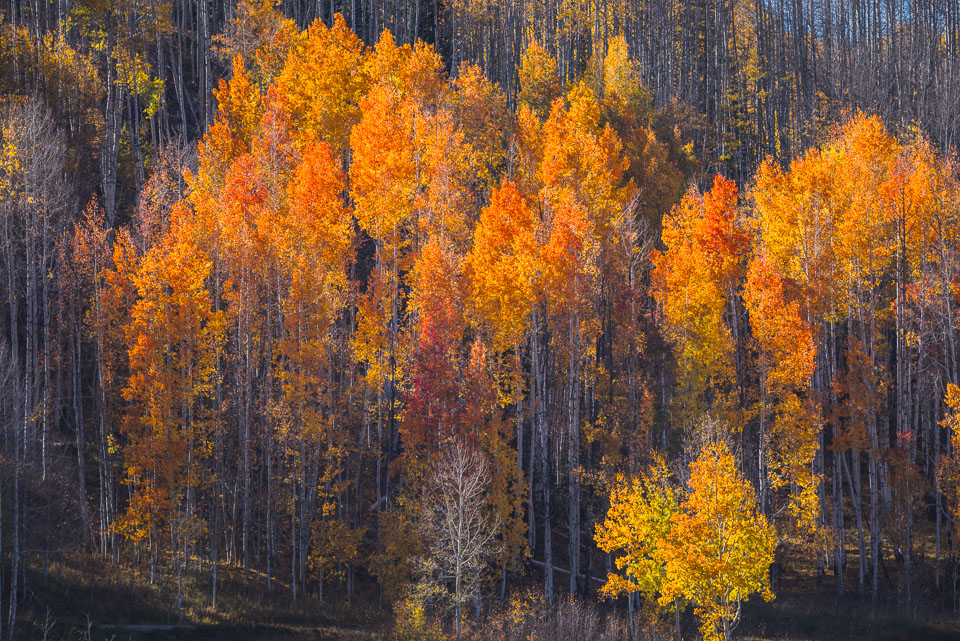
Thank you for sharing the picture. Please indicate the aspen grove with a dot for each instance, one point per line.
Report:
(408, 324)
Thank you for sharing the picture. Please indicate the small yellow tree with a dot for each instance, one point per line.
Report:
(637, 525)
(720, 547)
(712, 550)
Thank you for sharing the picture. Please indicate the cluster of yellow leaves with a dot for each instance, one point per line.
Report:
(482, 116)
(539, 81)
(322, 82)
(787, 365)
(708, 546)
(827, 239)
(783, 332)
(637, 525)
(720, 548)
(821, 222)
(321, 150)
(260, 35)
(502, 266)
(264, 224)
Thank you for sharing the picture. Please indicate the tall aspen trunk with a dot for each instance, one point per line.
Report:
(519, 436)
(856, 498)
(108, 158)
(540, 369)
(1, 550)
(245, 448)
(840, 559)
(15, 546)
(17, 398)
(534, 437)
(293, 535)
(85, 514)
(762, 446)
(874, 479)
(214, 554)
(45, 268)
(203, 54)
(573, 453)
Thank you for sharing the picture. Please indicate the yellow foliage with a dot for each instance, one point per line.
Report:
(948, 476)
(720, 548)
(539, 80)
(638, 525)
(713, 549)
(480, 109)
(383, 175)
(175, 339)
(322, 83)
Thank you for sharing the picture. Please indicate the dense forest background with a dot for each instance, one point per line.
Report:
(266, 265)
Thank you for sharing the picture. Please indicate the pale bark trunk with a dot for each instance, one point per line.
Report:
(573, 454)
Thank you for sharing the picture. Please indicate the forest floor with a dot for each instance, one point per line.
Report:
(87, 599)
(824, 616)
(810, 609)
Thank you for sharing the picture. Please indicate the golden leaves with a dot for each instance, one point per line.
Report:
(637, 525)
(708, 546)
(720, 548)
(539, 80)
(322, 82)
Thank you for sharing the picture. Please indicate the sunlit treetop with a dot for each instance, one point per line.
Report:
(539, 80)
(322, 82)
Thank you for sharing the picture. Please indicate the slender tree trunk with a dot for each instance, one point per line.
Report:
(15, 546)
(872, 467)
(540, 367)
(573, 453)
(85, 515)
(108, 169)
(534, 436)
(856, 500)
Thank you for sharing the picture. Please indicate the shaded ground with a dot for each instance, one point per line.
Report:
(88, 599)
(227, 632)
(823, 617)
(92, 600)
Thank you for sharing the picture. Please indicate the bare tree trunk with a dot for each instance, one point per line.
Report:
(293, 536)
(838, 525)
(108, 168)
(15, 546)
(85, 515)
(856, 500)
(573, 453)
(540, 366)
(872, 467)
(534, 436)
